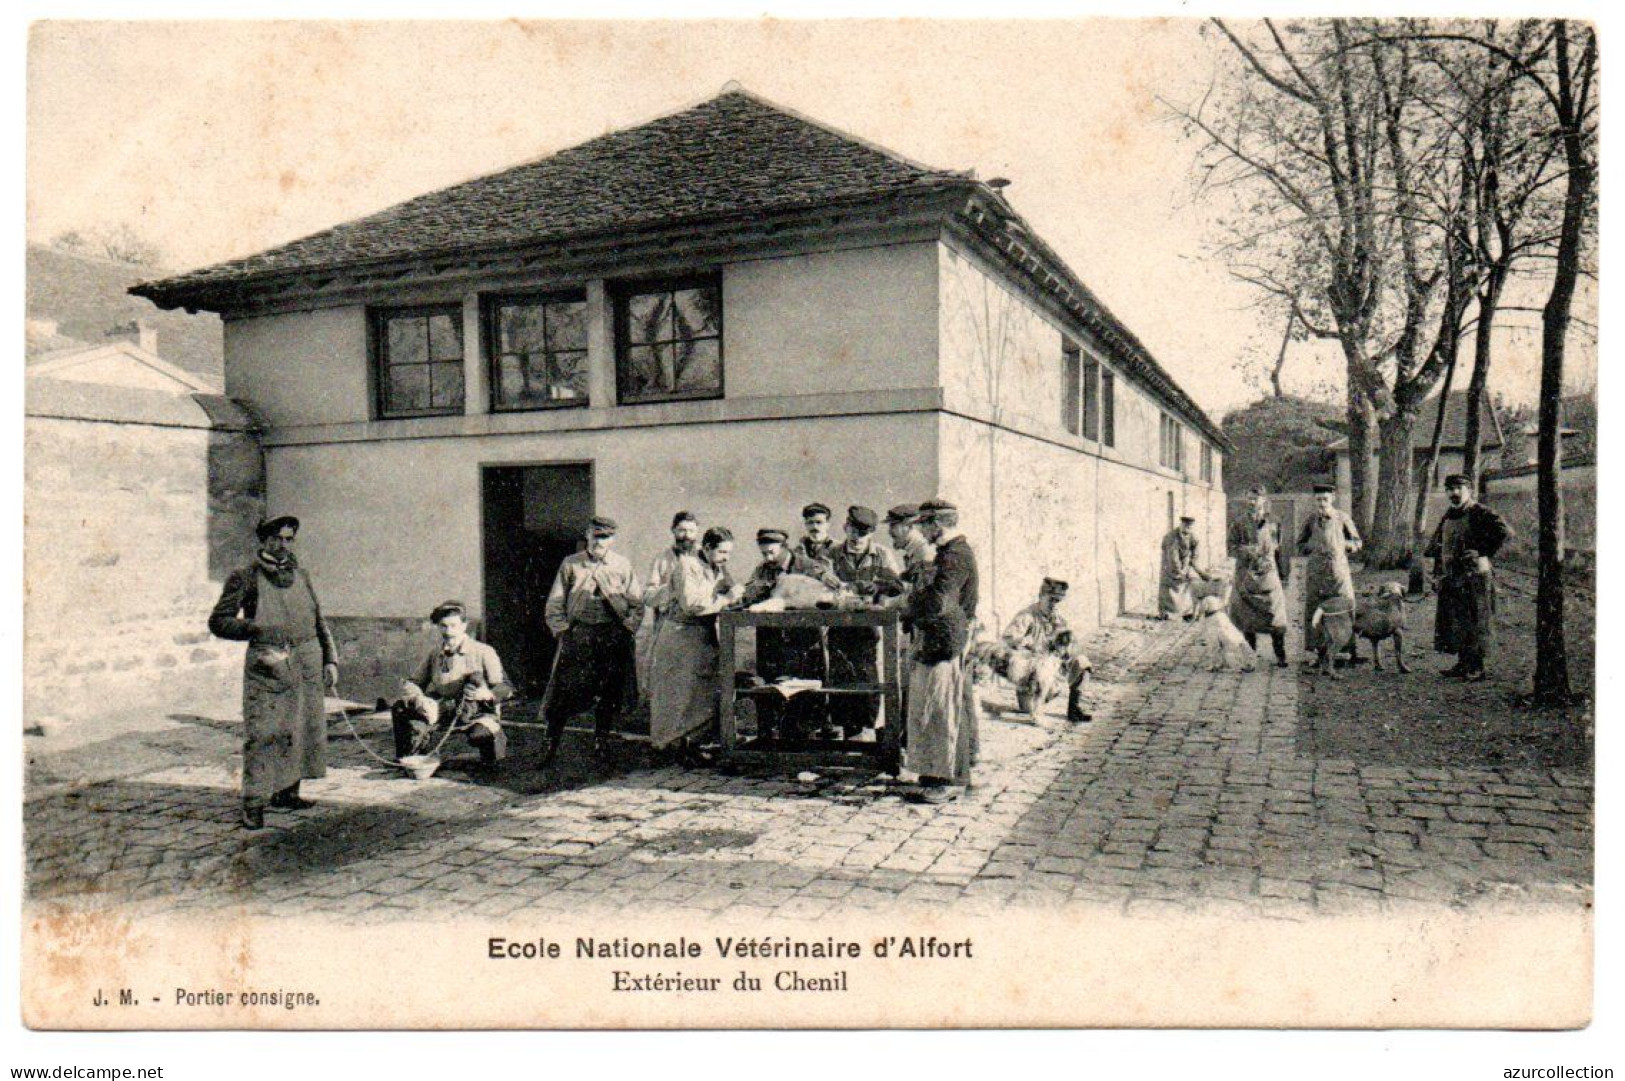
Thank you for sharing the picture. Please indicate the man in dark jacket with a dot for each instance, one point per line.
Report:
(942, 736)
(1468, 537)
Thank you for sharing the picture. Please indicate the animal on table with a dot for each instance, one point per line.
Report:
(800, 592)
(1219, 642)
(1379, 617)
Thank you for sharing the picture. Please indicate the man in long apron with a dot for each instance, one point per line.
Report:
(1466, 540)
(1328, 538)
(942, 737)
(291, 656)
(685, 540)
(592, 609)
(1259, 529)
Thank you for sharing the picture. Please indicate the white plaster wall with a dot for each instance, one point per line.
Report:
(391, 527)
(302, 367)
(862, 319)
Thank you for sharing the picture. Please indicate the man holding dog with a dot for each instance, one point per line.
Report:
(1179, 570)
(460, 682)
(1328, 538)
(1039, 629)
(1467, 539)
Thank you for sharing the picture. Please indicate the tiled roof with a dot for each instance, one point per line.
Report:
(731, 156)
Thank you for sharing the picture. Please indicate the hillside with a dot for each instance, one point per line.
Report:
(86, 296)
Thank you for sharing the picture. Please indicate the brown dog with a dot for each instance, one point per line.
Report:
(1379, 617)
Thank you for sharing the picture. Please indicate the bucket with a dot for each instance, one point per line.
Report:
(420, 766)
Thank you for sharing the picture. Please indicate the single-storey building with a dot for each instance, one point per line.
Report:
(732, 310)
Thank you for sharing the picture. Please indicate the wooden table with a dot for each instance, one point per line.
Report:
(885, 752)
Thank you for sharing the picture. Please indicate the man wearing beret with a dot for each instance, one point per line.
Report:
(1040, 628)
(461, 683)
(871, 571)
(291, 654)
(1466, 540)
(593, 609)
(942, 711)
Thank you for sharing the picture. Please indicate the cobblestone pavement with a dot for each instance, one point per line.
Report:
(1187, 789)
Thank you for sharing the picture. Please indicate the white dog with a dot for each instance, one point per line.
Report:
(1219, 643)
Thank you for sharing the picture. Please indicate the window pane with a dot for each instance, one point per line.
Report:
(698, 366)
(407, 340)
(1091, 399)
(571, 382)
(445, 337)
(446, 386)
(510, 379)
(698, 311)
(648, 318)
(1108, 407)
(408, 388)
(648, 370)
(1069, 391)
(520, 328)
(566, 325)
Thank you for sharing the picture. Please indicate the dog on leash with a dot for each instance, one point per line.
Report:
(1219, 642)
(1379, 617)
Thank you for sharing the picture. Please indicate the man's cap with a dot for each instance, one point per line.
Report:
(933, 507)
(1325, 489)
(903, 512)
(448, 608)
(1457, 480)
(1055, 586)
(683, 516)
(814, 508)
(272, 526)
(1259, 489)
(771, 536)
(1187, 519)
(602, 527)
(862, 517)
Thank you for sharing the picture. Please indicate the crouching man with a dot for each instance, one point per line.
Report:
(459, 684)
(1039, 630)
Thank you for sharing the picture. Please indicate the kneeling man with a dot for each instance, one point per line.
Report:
(1039, 630)
(460, 684)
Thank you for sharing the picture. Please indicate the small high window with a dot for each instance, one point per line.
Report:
(1091, 398)
(1071, 387)
(1108, 407)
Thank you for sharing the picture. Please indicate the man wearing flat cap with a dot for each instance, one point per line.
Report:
(593, 609)
(1328, 538)
(777, 654)
(942, 711)
(291, 656)
(913, 551)
(1040, 630)
(1466, 540)
(460, 684)
(1179, 570)
(872, 572)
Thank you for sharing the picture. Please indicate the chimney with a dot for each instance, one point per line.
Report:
(137, 331)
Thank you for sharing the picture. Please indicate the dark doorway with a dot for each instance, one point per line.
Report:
(534, 516)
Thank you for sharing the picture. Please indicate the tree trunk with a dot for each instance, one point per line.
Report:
(1488, 302)
(1425, 472)
(1362, 425)
(1389, 540)
(1280, 356)
(1551, 644)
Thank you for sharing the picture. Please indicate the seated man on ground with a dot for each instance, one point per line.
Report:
(459, 684)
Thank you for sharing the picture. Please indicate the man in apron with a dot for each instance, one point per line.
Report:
(1328, 538)
(1468, 537)
(291, 654)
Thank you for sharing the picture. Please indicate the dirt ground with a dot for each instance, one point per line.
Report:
(1419, 719)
